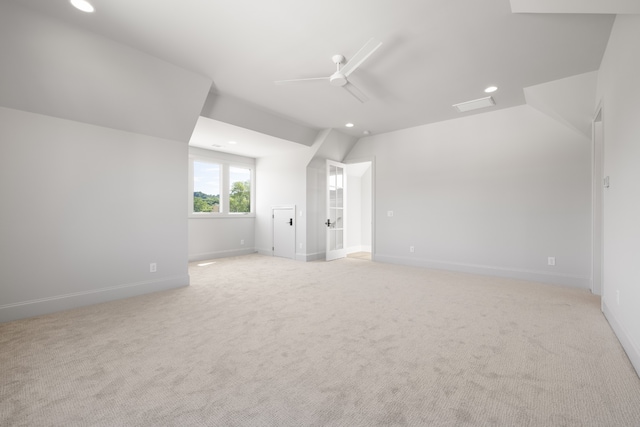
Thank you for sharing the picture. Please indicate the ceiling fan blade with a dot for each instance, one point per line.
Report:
(296, 81)
(365, 52)
(357, 93)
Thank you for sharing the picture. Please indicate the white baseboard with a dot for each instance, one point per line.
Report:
(533, 276)
(361, 248)
(298, 256)
(632, 349)
(311, 257)
(41, 306)
(221, 254)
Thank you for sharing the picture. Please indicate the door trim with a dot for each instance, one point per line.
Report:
(597, 202)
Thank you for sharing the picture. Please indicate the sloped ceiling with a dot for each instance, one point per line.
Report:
(227, 109)
(571, 100)
(435, 53)
(217, 135)
(576, 6)
(51, 68)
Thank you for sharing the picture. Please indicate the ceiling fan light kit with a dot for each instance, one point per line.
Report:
(341, 77)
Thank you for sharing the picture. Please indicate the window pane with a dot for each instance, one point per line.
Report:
(240, 190)
(206, 187)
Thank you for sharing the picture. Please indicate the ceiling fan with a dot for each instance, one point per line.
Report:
(341, 77)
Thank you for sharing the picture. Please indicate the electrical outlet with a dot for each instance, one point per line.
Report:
(551, 260)
(153, 267)
(412, 249)
(618, 296)
(242, 242)
(300, 245)
(389, 213)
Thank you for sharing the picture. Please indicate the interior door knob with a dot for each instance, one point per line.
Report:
(328, 223)
(290, 221)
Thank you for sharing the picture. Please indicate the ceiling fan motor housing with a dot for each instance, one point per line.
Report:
(343, 69)
(338, 79)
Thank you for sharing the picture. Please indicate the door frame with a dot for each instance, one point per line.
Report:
(597, 201)
(372, 160)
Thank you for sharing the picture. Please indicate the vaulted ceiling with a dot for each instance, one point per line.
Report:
(434, 53)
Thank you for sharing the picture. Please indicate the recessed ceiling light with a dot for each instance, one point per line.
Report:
(232, 142)
(491, 89)
(83, 5)
(349, 125)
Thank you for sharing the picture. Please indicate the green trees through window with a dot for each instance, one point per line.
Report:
(206, 187)
(240, 197)
(240, 190)
(205, 202)
(209, 181)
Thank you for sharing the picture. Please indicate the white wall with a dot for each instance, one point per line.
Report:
(619, 91)
(495, 193)
(281, 181)
(93, 160)
(220, 237)
(85, 210)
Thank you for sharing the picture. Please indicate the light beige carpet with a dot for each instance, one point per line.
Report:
(261, 341)
(360, 255)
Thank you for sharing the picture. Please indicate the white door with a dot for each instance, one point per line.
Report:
(336, 210)
(284, 232)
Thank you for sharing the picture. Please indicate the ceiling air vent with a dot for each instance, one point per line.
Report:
(475, 104)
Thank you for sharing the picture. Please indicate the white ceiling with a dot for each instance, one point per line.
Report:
(218, 136)
(576, 6)
(435, 53)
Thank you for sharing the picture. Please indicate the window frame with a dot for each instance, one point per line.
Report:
(225, 188)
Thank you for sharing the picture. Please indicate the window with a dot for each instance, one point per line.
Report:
(220, 188)
(206, 187)
(239, 190)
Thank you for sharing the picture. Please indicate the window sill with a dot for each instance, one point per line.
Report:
(223, 216)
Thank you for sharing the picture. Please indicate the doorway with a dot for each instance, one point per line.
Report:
(360, 214)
